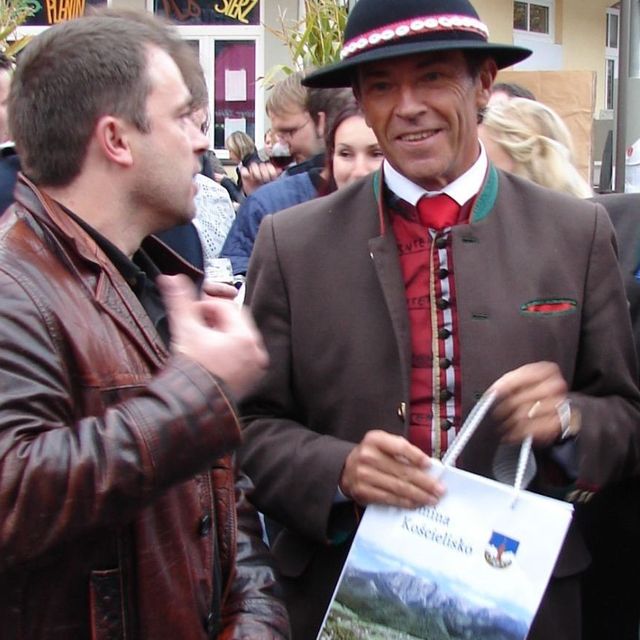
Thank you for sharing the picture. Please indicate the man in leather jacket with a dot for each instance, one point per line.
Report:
(120, 516)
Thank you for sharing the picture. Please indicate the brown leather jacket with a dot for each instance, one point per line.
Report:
(116, 478)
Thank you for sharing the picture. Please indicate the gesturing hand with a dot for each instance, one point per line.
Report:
(215, 333)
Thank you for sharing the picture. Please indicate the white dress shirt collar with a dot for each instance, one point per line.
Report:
(461, 190)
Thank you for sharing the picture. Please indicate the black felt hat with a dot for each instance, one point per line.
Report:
(382, 29)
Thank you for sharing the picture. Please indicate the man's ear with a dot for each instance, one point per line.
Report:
(486, 76)
(321, 124)
(112, 137)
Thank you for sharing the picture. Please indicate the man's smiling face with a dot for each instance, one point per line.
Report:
(423, 109)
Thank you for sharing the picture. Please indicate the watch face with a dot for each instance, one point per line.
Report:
(570, 420)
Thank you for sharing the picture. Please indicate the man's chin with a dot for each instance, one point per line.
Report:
(185, 216)
(189, 217)
(189, 211)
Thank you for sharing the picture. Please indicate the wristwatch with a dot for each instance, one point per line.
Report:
(569, 420)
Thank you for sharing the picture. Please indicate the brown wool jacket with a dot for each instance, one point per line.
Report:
(116, 476)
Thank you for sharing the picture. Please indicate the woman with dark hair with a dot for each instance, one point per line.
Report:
(352, 150)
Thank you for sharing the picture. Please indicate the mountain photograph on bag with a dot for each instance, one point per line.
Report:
(389, 601)
(473, 567)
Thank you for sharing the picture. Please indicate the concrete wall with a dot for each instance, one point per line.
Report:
(275, 52)
(584, 40)
(498, 16)
(129, 4)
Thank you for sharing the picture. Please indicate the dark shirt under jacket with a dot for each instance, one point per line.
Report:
(139, 272)
(315, 162)
(9, 167)
(185, 241)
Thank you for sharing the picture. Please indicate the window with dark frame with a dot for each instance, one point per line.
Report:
(533, 17)
(612, 34)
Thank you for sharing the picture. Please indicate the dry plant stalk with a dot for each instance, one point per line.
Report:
(313, 41)
(13, 13)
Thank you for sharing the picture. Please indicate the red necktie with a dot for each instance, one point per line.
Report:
(438, 212)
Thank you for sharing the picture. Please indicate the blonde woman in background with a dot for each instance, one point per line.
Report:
(529, 139)
(242, 152)
(239, 145)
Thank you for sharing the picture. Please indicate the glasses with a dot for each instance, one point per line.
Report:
(287, 134)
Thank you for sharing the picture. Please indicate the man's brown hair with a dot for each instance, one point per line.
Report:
(287, 95)
(182, 53)
(327, 101)
(70, 76)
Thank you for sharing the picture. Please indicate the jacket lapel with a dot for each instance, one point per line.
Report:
(384, 254)
(102, 281)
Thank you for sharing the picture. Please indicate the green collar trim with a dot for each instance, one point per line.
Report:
(377, 176)
(483, 204)
(487, 196)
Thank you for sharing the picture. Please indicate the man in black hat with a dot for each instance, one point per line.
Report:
(389, 307)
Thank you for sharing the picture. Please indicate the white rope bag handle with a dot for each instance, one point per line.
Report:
(469, 427)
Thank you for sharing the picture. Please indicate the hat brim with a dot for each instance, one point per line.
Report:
(341, 73)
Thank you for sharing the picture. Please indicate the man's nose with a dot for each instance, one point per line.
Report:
(409, 104)
(200, 141)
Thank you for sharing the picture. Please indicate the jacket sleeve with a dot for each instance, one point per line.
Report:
(295, 468)
(604, 387)
(70, 459)
(253, 607)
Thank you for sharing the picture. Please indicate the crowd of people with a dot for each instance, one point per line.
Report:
(409, 235)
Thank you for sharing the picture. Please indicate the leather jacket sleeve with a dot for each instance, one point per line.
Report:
(85, 442)
(252, 608)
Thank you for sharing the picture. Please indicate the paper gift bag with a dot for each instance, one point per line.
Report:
(474, 566)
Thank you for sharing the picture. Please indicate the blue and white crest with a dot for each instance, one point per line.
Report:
(501, 550)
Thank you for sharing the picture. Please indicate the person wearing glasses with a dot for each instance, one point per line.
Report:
(299, 118)
(295, 129)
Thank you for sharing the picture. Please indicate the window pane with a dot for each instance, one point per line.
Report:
(237, 13)
(612, 30)
(235, 89)
(539, 18)
(610, 82)
(520, 16)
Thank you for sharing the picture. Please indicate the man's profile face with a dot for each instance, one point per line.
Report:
(167, 157)
(5, 84)
(297, 130)
(423, 109)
